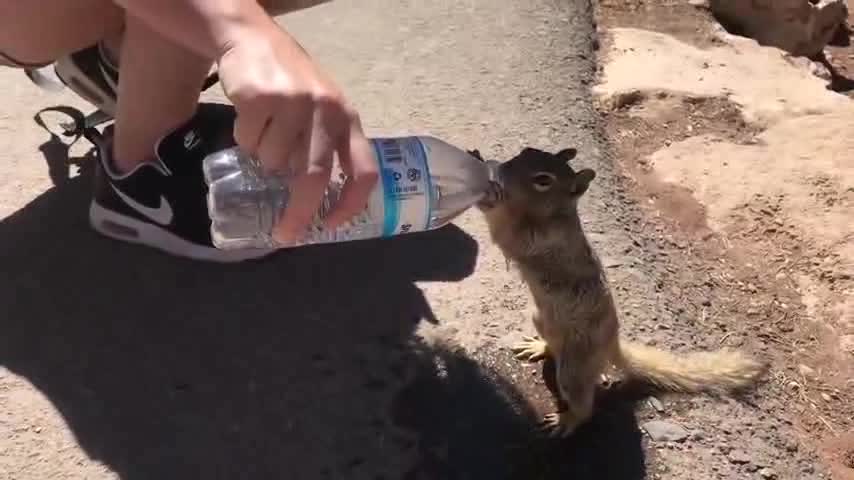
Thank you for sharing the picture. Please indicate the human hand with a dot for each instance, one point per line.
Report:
(293, 119)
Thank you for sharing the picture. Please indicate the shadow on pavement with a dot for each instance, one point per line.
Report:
(474, 424)
(166, 368)
(281, 368)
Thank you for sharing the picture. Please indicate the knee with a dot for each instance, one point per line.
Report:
(8, 61)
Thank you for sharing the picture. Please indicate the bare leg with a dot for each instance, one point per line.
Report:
(159, 89)
(159, 86)
(160, 81)
(37, 32)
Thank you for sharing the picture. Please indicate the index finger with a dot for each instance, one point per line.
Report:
(359, 164)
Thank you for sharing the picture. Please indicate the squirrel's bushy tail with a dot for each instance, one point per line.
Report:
(719, 372)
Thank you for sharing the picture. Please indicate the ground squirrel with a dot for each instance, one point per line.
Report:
(533, 219)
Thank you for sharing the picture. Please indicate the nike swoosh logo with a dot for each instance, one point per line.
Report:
(162, 214)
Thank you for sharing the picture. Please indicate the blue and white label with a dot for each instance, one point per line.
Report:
(406, 184)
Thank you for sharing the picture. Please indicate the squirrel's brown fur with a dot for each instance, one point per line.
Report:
(533, 218)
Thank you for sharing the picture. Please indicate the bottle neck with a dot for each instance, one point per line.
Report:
(494, 166)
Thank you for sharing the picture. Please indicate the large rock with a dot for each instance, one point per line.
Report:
(797, 26)
(765, 82)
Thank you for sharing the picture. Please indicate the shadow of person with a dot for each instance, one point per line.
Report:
(55, 150)
(473, 422)
(167, 368)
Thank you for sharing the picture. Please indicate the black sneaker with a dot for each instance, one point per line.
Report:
(161, 204)
(90, 74)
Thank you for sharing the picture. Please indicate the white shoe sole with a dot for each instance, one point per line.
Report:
(120, 227)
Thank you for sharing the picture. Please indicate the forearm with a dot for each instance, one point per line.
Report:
(207, 27)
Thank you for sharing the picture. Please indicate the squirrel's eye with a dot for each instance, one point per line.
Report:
(543, 181)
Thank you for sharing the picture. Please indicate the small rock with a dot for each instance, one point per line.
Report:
(792, 445)
(656, 404)
(626, 99)
(768, 473)
(738, 457)
(806, 371)
(661, 431)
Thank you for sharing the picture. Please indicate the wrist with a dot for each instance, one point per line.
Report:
(246, 22)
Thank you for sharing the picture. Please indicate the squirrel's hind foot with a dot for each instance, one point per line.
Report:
(558, 425)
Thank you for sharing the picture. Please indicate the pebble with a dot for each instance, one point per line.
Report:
(806, 371)
(739, 457)
(661, 431)
(768, 473)
(656, 404)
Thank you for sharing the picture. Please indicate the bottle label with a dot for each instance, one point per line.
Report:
(405, 176)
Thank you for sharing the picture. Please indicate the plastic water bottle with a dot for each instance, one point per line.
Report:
(424, 184)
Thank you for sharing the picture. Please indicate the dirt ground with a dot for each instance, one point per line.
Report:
(759, 201)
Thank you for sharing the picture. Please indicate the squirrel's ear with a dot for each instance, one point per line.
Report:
(476, 154)
(582, 181)
(566, 154)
